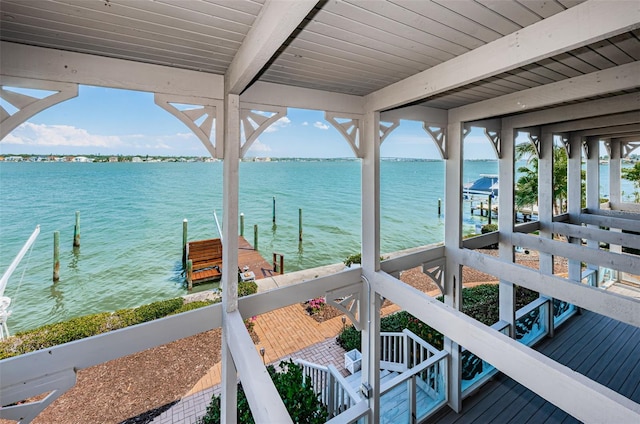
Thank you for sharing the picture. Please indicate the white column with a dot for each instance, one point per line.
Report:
(574, 196)
(615, 195)
(506, 216)
(370, 145)
(453, 241)
(231, 184)
(545, 197)
(593, 184)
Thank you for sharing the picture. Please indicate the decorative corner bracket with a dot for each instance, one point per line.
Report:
(564, 139)
(347, 300)
(439, 136)
(585, 148)
(199, 116)
(387, 127)
(627, 147)
(492, 129)
(55, 385)
(535, 139)
(350, 129)
(255, 119)
(435, 270)
(28, 106)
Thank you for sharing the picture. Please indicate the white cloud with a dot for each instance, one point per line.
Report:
(258, 146)
(321, 125)
(280, 123)
(30, 134)
(305, 123)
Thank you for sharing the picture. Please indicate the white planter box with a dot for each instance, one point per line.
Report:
(353, 361)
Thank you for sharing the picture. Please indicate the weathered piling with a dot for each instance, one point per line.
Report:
(439, 206)
(300, 224)
(255, 237)
(489, 208)
(242, 224)
(76, 231)
(190, 274)
(274, 209)
(185, 224)
(56, 256)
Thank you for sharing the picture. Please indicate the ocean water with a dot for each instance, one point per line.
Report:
(131, 223)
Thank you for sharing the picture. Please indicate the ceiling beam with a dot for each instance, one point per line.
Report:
(575, 27)
(275, 23)
(22, 61)
(617, 79)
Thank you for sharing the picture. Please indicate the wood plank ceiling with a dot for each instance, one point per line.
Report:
(351, 46)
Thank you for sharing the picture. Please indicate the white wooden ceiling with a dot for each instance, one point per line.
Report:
(352, 46)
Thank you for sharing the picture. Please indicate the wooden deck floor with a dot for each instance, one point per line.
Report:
(206, 256)
(605, 350)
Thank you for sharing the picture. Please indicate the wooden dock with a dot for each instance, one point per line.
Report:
(206, 259)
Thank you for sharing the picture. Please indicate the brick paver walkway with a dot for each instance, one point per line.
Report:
(284, 333)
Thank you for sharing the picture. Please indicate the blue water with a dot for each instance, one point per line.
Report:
(131, 223)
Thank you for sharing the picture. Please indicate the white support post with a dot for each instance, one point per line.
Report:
(506, 216)
(592, 145)
(370, 148)
(615, 195)
(545, 197)
(231, 183)
(453, 240)
(574, 196)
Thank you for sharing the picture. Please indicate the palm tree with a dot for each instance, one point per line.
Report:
(633, 175)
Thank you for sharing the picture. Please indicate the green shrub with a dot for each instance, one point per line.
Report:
(246, 288)
(480, 302)
(195, 305)
(300, 400)
(489, 228)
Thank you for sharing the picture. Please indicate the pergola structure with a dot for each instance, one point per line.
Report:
(563, 68)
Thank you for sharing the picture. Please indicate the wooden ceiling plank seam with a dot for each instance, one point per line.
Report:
(172, 17)
(421, 23)
(482, 15)
(314, 85)
(121, 37)
(330, 60)
(352, 48)
(114, 45)
(135, 55)
(506, 82)
(365, 37)
(251, 7)
(450, 19)
(381, 35)
(539, 74)
(628, 43)
(608, 49)
(291, 62)
(593, 58)
(421, 35)
(512, 10)
(559, 67)
(576, 63)
(544, 9)
(138, 19)
(331, 51)
(496, 86)
(570, 3)
(363, 82)
(117, 29)
(217, 10)
(310, 76)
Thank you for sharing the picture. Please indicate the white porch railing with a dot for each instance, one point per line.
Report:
(330, 386)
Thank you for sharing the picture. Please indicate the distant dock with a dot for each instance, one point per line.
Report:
(206, 262)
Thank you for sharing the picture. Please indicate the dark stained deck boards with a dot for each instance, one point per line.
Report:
(598, 347)
(205, 254)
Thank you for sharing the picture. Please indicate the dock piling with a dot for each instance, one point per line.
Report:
(274, 210)
(242, 224)
(185, 224)
(300, 224)
(76, 231)
(255, 237)
(190, 274)
(489, 208)
(56, 256)
(439, 206)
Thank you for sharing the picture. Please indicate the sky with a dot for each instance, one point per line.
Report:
(109, 122)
